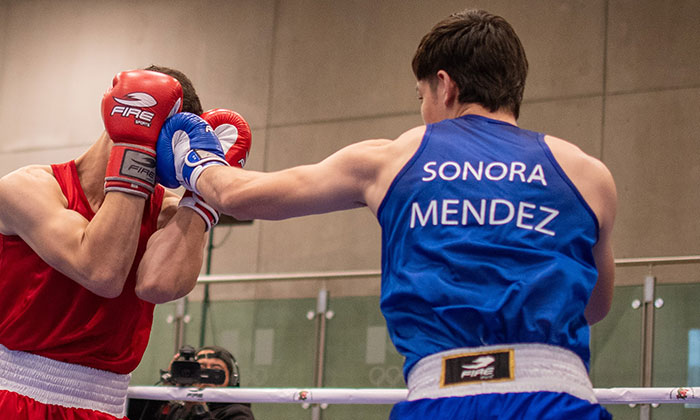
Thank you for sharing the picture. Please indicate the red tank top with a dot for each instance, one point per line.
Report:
(44, 312)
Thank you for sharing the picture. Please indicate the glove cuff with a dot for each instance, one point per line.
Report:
(195, 163)
(131, 169)
(204, 210)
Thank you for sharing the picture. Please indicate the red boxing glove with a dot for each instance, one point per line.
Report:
(134, 111)
(233, 132)
(235, 136)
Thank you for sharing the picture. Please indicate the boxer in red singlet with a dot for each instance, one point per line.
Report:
(87, 248)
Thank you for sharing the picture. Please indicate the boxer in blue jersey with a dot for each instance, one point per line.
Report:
(496, 240)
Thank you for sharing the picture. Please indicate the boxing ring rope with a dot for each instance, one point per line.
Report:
(330, 275)
(679, 395)
(323, 396)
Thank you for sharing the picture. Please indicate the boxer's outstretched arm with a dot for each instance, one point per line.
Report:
(355, 176)
(174, 254)
(96, 254)
(339, 182)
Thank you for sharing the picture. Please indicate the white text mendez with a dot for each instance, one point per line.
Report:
(453, 212)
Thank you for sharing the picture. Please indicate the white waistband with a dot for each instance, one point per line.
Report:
(58, 383)
(533, 368)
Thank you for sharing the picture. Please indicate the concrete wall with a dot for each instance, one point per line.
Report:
(617, 77)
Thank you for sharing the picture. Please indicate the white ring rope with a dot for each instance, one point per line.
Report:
(682, 395)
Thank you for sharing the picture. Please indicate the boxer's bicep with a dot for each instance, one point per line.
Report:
(35, 210)
(336, 183)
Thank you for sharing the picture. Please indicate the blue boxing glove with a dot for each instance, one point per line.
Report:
(186, 145)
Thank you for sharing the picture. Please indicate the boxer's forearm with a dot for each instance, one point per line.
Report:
(336, 183)
(173, 259)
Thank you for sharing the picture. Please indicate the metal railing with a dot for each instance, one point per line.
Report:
(339, 275)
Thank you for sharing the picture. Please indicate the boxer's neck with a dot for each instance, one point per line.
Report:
(91, 167)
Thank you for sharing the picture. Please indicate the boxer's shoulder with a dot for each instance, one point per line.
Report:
(24, 192)
(29, 181)
(385, 159)
(590, 176)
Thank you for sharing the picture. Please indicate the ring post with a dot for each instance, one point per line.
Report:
(647, 341)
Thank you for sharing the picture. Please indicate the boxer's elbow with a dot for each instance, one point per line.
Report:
(105, 283)
(597, 310)
(154, 293)
(161, 290)
(169, 273)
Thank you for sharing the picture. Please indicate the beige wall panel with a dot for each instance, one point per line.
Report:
(576, 120)
(61, 56)
(3, 38)
(337, 241)
(564, 42)
(348, 59)
(653, 44)
(235, 40)
(234, 249)
(344, 59)
(310, 143)
(348, 240)
(653, 151)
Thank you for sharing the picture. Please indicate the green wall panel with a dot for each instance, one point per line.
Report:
(679, 314)
(616, 348)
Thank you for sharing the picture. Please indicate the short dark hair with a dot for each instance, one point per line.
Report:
(190, 100)
(483, 55)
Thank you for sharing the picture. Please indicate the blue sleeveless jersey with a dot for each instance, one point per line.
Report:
(485, 241)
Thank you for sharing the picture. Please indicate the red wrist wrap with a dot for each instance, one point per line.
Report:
(131, 169)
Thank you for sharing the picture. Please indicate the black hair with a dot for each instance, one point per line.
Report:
(190, 100)
(483, 55)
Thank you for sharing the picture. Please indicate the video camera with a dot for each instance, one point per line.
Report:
(185, 371)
